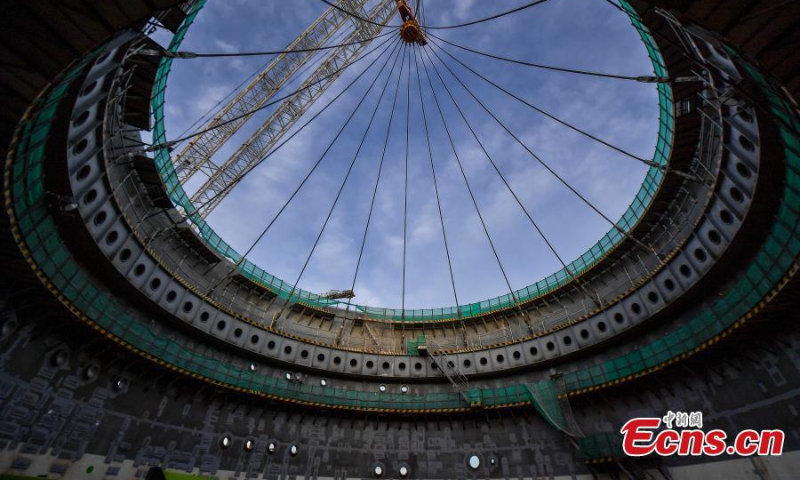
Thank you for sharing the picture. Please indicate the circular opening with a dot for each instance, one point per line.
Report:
(237, 333)
(669, 284)
(567, 340)
(382, 388)
(551, 346)
(653, 297)
(337, 360)
(225, 442)
(155, 283)
(403, 471)
(91, 372)
(517, 355)
(271, 345)
(320, 357)
(81, 119)
(700, 254)
(451, 364)
(534, 351)
(271, 447)
(112, 237)
(500, 358)
(484, 361)
(80, 148)
(474, 462)
(304, 353)
(139, 270)
(293, 450)
(385, 365)
(737, 195)
(685, 270)
(601, 326)
(254, 339)
(726, 217)
(323, 382)
(125, 255)
(252, 367)
(370, 364)
(742, 170)
(287, 376)
(83, 173)
(584, 333)
(746, 116)
(90, 197)
(618, 317)
(221, 325)
(434, 366)
(417, 366)
(404, 389)
(377, 470)
(636, 308)
(353, 362)
(287, 349)
(467, 363)
(188, 306)
(248, 445)
(746, 143)
(88, 89)
(402, 366)
(714, 236)
(100, 218)
(171, 296)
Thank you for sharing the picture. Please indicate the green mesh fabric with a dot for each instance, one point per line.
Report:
(555, 411)
(45, 248)
(557, 280)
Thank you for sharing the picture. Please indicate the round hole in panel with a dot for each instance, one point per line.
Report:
(237, 333)
(84, 172)
(353, 362)
(534, 351)
(287, 349)
(726, 217)
(567, 340)
(125, 255)
(714, 237)
(221, 325)
(619, 318)
(370, 364)
(653, 297)
(746, 143)
(271, 345)
(484, 361)
(90, 197)
(188, 306)
(417, 366)
(100, 218)
(385, 365)
(303, 353)
(669, 284)
(172, 295)
(81, 119)
(550, 346)
(401, 366)
(337, 360)
(685, 270)
(155, 283)
(320, 357)
(112, 237)
(742, 170)
(254, 339)
(636, 308)
(601, 326)
(517, 355)
(584, 333)
(139, 270)
(80, 148)
(700, 255)
(736, 195)
(467, 363)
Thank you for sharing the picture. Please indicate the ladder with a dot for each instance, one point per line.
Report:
(450, 370)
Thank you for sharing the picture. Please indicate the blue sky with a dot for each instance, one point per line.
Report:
(584, 34)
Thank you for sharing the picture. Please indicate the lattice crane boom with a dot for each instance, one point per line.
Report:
(221, 182)
(196, 155)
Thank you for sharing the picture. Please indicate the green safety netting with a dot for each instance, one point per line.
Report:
(555, 411)
(284, 290)
(66, 276)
